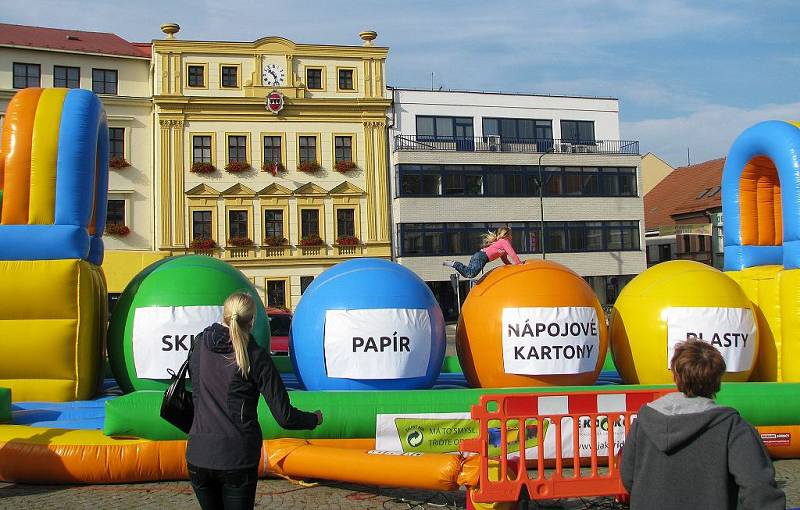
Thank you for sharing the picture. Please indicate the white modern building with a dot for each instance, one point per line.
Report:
(466, 162)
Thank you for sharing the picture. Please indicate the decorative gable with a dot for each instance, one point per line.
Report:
(347, 188)
(203, 190)
(238, 190)
(275, 190)
(310, 189)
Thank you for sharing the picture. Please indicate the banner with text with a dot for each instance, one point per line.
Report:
(162, 336)
(443, 433)
(383, 343)
(731, 330)
(550, 340)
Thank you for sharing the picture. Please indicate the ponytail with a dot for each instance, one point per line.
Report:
(238, 314)
(491, 237)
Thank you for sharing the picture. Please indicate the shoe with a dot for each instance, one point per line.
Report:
(448, 263)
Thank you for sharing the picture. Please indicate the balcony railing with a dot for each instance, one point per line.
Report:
(513, 145)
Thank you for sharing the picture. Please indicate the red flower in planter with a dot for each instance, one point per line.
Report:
(203, 244)
(117, 230)
(273, 167)
(345, 166)
(240, 241)
(313, 240)
(275, 240)
(236, 167)
(309, 167)
(118, 163)
(202, 168)
(347, 241)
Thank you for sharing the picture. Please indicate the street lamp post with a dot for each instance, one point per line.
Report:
(541, 200)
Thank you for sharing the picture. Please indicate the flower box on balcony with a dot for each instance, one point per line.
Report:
(275, 240)
(347, 241)
(117, 230)
(118, 163)
(311, 241)
(309, 167)
(203, 244)
(237, 167)
(273, 167)
(240, 241)
(345, 166)
(202, 168)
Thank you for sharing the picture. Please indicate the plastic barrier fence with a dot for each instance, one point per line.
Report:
(531, 419)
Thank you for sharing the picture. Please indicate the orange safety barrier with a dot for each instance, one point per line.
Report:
(523, 434)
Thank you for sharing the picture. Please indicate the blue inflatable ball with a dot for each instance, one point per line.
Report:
(367, 324)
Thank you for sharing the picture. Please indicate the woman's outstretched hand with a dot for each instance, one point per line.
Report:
(319, 417)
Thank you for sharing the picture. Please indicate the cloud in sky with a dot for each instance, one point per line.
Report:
(676, 65)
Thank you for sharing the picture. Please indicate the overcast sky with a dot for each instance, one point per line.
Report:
(688, 73)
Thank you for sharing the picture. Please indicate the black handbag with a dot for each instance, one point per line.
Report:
(177, 406)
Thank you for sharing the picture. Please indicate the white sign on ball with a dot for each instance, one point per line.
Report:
(162, 336)
(731, 330)
(550, 340)
(384, 343)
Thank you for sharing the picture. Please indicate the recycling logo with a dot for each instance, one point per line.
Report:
(414, 437)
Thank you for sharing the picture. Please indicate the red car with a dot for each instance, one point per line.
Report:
(279, 322)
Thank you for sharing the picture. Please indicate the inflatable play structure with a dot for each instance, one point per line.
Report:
(53, 188)
(367, 343)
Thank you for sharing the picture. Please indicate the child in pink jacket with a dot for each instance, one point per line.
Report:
(495, 245)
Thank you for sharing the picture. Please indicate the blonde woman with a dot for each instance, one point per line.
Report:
(496, 245)
(229, 370)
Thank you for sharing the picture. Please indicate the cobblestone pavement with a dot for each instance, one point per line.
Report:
(278, 493)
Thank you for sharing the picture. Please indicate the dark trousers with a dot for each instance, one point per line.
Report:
(474, 267)
(233, 489)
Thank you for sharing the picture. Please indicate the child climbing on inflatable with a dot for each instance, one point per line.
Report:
(495, 245)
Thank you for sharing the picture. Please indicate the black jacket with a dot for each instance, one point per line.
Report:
(225, 433)
(689, 453)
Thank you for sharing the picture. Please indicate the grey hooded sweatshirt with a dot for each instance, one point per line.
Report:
(687, 453)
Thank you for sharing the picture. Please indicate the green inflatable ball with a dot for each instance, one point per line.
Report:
(163, 308)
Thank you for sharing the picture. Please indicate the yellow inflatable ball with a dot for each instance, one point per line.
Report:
(534, 324)
(675, 301)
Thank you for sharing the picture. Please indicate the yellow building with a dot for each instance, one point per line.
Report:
(218, 144)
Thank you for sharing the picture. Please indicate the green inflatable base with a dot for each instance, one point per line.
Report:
(351, 414)
(5, 405)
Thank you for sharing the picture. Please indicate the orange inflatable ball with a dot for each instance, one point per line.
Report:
(535, 324)
(671, 302)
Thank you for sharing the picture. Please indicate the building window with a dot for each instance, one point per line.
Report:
(511, 180)
(237, 148)
(444, 128)
(276, 296)
(664, 252)
(201, 149)
(67, 77)
(273, 223)
(309, 223)
(196, 76)
(346, 79)
(578, 131)
(115, 212)
(201, 225)
(343, 148)
(308, 149)
(104, 81)
(237, 224)
(27, 75)
(272, 150)
(314, 78)
(230, 76)
(305, 281)
(453, 239)
(521, 131)
(116, 142)
(345, 222)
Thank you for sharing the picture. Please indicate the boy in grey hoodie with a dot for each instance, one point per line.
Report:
(684, 451)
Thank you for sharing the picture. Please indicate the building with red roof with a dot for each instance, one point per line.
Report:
(683, 215)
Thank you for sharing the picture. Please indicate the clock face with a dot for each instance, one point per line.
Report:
(273, 75)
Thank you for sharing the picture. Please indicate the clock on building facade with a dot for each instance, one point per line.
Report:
(273, 75)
